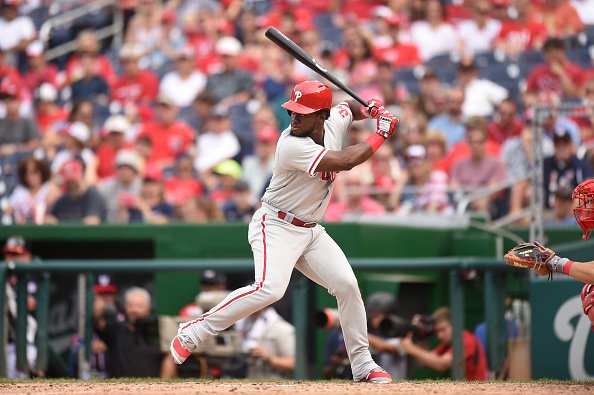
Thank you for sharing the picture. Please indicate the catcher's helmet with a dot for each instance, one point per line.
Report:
(584, 211)
(587, 296)
(308, 97)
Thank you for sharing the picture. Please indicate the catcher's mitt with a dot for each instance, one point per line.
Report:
(529, 256)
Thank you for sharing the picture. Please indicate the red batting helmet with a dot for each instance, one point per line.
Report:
(584, 212)
(308, 97)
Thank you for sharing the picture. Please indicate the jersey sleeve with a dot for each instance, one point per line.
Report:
(341, 117)
(300, 153)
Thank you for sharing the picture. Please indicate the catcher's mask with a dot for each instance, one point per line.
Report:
(587, 296)
(584, 211)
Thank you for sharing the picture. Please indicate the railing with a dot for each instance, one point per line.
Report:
(114, 30)
(494, 300)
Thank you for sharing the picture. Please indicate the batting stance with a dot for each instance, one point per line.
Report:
(545, 261)
(285, 232)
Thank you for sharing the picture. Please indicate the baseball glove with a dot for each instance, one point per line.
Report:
(530, 256)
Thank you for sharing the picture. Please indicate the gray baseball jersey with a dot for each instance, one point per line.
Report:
(295, 186)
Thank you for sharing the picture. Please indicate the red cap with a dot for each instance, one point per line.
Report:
(9, 88)
(267, 134)
(72, 170)
(309, 97)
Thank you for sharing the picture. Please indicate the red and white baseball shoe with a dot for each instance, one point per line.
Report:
(378, 376)
(181, 347)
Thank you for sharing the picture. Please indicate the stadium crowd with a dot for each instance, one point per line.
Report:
(179, 122)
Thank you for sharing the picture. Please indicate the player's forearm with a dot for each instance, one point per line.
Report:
(430, 359)
(582, 271)
(286, 364)
(356, 110)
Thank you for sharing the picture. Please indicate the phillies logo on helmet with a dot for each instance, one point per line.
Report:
(298, 94)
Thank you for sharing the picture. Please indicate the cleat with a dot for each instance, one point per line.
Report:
(181, 348)
(378, 376)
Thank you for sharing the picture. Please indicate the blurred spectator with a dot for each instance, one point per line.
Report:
(128, 353)
(116, 127)
(561, 214)
(231, 85)
(584, 9)
(557, 79)
(563, 169)
(522, 33)
(87, 46)
(223, 177)
(481, 96)
(433, 36)
(480, 170)
(144, 28)
(358, 59)
(440, 358)
(557, 121)
(257, 168)
(269, 342)
(394, 51)
(212, 283)
(75, 140)
(135, 86)
(185, 83)
(437, 150)
(355, 204)
(217, 142)
(185, 184)
(17, 133)
(123, 189)
(79, 203)
(240, 206)
(432, 100)
(413, 131)
(151, 208)
(16, 249)
(506, 123)
(479, 33)
(202, 107)
(516, 154)
(200, 210)
(559, 17)
(90, 86)
(451, 122)
(51, 117)
(169, 136)
(426, 189)
(39, 71)
(30, 200)
(170, 40)
(388, 177)
(16, 30)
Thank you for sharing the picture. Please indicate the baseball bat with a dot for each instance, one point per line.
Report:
(301, 55)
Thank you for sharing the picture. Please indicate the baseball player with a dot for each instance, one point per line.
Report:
(545, 261)
(285, 232)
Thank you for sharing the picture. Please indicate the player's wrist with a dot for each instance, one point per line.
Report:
(375, 141)
(559, 265)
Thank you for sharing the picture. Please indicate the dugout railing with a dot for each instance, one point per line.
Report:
(494, 288)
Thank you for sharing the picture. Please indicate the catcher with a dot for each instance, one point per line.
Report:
(545, 261)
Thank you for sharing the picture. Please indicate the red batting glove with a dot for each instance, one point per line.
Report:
(374, 109)
(386, 123)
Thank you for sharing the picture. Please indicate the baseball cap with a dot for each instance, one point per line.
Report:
(9, 88)
(561, 134)
(211, 277)
(268, 134)
(185, 52)
(130, 50)
(382, 301)
(415, 151)
(34, 49)
(117, 123)
(47, 93)
(165, 99)
(79, 131)
(228, 167)
(228, 46)
(105, 285)
(128, 158)
(72, 170)
(15, 245)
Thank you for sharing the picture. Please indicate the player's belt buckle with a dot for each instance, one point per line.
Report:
(309, 224)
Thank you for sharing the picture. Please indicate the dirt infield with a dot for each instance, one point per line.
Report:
(315, 387)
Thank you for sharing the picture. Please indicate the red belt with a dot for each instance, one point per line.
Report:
(297, 222)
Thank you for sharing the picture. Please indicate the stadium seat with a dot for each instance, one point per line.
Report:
(446, 60)
(328, 31)
(531, 57)
(506, 74)
(580, 56)
(409, 78)
(483, 59)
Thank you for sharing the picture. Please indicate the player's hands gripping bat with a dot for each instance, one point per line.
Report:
(386, 123)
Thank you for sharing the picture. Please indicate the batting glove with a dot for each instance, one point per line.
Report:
(386, 123)
(374, 109)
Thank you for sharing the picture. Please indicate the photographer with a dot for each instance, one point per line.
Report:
(128, 354)
(441, 358)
